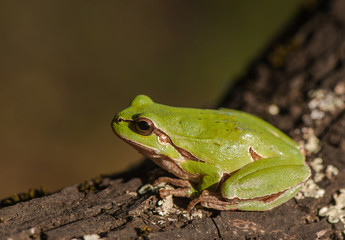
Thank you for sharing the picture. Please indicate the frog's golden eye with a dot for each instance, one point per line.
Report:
(144, 126)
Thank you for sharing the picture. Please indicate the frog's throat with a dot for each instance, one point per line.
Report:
(165, 162)
(171, 165)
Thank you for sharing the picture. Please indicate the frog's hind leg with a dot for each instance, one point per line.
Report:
(258, 186)
(218, 202)
(210, 200)
(213, 200)
(264, 181)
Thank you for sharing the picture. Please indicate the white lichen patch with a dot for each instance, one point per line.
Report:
(324, 101)
(312, 143)
(339, 89)
(317, 166)
(331, 171)
(165, 206)
(92, 237)
(310, 189)
(145, 189)
(192, 214)
(335, 213)
(160, 222)
(150, 188)
(318, 177)
(196, 214)
(273, 109)
(172, 219)
(321, 233)
(133, 194)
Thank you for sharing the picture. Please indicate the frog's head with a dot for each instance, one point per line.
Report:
(139, 124)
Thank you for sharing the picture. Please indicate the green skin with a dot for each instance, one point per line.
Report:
(224, 159)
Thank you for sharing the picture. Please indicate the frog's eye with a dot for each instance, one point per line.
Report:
(144, 126)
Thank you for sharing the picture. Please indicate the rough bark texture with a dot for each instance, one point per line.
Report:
(302, 77)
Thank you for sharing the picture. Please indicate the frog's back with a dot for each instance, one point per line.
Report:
(257, 124)
(220, 137)
(224, 137)
(267, 139)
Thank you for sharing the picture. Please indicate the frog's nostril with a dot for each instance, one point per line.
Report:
(118, 119)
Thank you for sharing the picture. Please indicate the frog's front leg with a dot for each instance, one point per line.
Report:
(258, 186)
(212, 200)
(204, 176)
(185, 188)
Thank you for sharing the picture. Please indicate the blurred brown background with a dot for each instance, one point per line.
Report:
(67, 67)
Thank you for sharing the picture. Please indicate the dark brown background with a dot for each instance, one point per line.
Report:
(66, 68)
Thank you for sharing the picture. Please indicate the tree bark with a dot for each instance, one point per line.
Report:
(298, 85)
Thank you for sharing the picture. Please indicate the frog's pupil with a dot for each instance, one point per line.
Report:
(143, 125)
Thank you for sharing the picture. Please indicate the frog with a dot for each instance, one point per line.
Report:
(223, 159)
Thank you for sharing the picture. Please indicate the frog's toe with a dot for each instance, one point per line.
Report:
(179, 192)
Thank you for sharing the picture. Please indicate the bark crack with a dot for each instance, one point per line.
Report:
(218, 230)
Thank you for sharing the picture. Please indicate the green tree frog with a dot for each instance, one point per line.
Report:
(224, 159)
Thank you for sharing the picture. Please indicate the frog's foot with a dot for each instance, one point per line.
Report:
(217, 201)
(212, 200)
(179, 192)
(184, 189)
